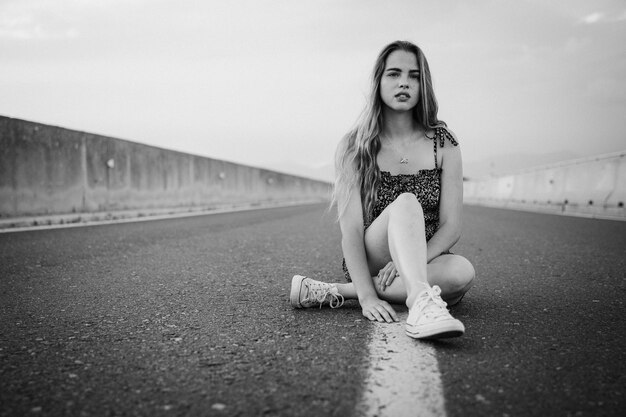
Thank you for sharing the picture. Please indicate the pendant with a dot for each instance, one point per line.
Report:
(404, 160)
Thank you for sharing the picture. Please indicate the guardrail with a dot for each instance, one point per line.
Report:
(52, 170)
(593, 187)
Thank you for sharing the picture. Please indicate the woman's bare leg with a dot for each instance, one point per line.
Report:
(452, 273)
(398, 234)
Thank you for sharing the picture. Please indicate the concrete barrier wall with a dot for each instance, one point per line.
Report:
(593, 187)
(51, 170)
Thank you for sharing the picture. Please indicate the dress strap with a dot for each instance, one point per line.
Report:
(435, 148)
(441, 134)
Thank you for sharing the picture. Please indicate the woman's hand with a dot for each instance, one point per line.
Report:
(376, 309)
(386, 276)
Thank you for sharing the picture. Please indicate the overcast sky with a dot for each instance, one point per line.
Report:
(264, 82)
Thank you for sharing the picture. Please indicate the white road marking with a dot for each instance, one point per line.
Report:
(403, 377)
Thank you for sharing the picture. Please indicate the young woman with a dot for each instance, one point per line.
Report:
(399, 194)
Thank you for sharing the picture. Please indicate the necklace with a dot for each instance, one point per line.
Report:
(403, 159)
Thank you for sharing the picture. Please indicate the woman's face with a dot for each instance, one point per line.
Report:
(399, 85)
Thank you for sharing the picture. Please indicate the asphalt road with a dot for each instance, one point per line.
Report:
(191, 317)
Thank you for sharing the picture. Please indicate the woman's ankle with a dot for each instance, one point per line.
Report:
(414, 293)
(346, 290)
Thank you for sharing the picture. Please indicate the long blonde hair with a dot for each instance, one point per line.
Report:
(355, 159)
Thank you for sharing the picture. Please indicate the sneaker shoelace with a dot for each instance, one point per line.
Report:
(430, 303)
(320, 291)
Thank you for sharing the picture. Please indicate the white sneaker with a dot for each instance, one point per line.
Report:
(429, 317)
(307, 292)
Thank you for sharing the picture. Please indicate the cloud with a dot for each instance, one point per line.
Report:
(19, 27)
(592, 18)
(29, 20)
(601, 17)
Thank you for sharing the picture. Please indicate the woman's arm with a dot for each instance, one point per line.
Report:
(353, 246)
(450, 202)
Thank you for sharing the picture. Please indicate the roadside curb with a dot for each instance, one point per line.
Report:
(60, 221)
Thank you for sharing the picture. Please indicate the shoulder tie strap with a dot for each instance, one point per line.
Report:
(435, 148)
(441, 134)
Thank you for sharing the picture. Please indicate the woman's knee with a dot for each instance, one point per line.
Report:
(406, 202)
(456, 275)
(462, 274)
